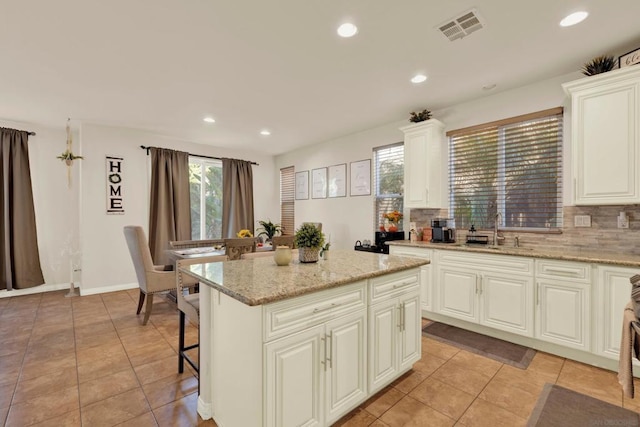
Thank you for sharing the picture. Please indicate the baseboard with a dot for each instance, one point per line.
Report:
(62, 286)
(34, 290)
(105, 289)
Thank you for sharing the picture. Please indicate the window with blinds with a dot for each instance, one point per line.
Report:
(388, 181)
(513, 168)
(287, 200)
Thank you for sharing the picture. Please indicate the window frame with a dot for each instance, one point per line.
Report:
(503, 169)
(378, 198)
(204, 163)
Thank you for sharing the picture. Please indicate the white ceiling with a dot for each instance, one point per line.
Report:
(163, 65)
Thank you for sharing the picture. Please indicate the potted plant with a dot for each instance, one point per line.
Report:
(598, 65)
(420, 116)
(309, 240)
(269, 229)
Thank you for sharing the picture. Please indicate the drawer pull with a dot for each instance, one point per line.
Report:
(329, 307)
(561, 271)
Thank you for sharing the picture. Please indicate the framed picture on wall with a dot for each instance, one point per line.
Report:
(302, 185)
(360, 178)
(319, 183)
(337, 180)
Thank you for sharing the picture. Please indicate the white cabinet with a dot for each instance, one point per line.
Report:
(425, 160)
(491, 290)
(563, 314)
(613, 292)
(315, 376)
(605, 137)
(394, 328)
(426, 281)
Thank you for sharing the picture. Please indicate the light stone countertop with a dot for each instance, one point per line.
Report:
(260, 281)
(569, 254)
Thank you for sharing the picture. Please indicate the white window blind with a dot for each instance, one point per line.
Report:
(512, 167)
(388, 181)
(287, 200)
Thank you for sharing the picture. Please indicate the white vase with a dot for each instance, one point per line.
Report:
(308, 254)
(282, 255)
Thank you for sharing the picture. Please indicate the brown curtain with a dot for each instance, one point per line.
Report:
(170, 208)
(237, 197)
(19, 257)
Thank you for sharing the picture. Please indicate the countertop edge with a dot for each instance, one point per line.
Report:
(596, 258)
(252, 302)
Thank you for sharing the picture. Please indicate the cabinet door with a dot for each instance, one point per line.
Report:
(383, 337)
(613, 294)
(426, 283)
(294, 379)
(507, 302)
(563, 313)
(346, 364)
(606, 173)
(424, 145)
(457, 293)
(410, 331)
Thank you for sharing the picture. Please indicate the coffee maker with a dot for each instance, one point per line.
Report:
(444, 230)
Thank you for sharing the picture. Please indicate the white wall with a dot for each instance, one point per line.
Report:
(106, 263)
(351, 218)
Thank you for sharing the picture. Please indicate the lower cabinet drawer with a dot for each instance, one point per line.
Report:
(392, 285)
(286, 317)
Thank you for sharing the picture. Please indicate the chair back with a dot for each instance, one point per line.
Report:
(235, 247)
(140, 253)
(282, 241)
(317, 224)
(251, 255)
(186, 244)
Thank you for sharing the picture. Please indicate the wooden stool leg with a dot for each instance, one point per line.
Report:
(140, 301)
(181, 344)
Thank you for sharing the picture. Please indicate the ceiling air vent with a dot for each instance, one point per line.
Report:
(462, 26)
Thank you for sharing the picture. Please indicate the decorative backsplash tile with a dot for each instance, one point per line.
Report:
(603, 234)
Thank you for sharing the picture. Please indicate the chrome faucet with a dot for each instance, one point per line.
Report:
(498, 221)
(516, 242)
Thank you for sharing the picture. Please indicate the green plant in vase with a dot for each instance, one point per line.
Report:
(269, 229)
(309, 240)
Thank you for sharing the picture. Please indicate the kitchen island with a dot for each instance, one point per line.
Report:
(304, 344)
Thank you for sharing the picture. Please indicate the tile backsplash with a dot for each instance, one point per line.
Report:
(603, 235)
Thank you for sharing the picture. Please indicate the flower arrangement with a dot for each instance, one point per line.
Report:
(420, 116)
(244, 233)
(394, 216)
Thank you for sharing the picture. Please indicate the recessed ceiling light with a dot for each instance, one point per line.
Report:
(265, 132)
(347, 30)
(573, 19)
(418, 78)
(209, 119)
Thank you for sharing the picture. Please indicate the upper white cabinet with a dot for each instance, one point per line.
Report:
(425, 159)
(605, 137)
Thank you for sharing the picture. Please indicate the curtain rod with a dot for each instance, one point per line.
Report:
(28, 132)
(196, 155)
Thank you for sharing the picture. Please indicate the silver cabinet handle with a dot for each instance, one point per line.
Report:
(404, 316)
(330, 345)
(481, 278)
(477, 287)
(400, 318)
(329, 307)
(537, 296)
(323, 361)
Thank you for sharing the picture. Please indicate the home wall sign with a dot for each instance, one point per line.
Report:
(630, 58)
(115, 204)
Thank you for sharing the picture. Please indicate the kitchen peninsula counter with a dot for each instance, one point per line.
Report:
(304, 343)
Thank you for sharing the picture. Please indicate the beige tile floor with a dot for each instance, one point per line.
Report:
(88, 361)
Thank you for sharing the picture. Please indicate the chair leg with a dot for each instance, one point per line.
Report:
(140, 301)
(147, 309)
(181, 344)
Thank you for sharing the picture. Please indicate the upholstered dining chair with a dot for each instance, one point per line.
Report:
(234, 247)
(251, 255)
(282, 241)
(151, 278)
(186, 244)
(189, 307)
